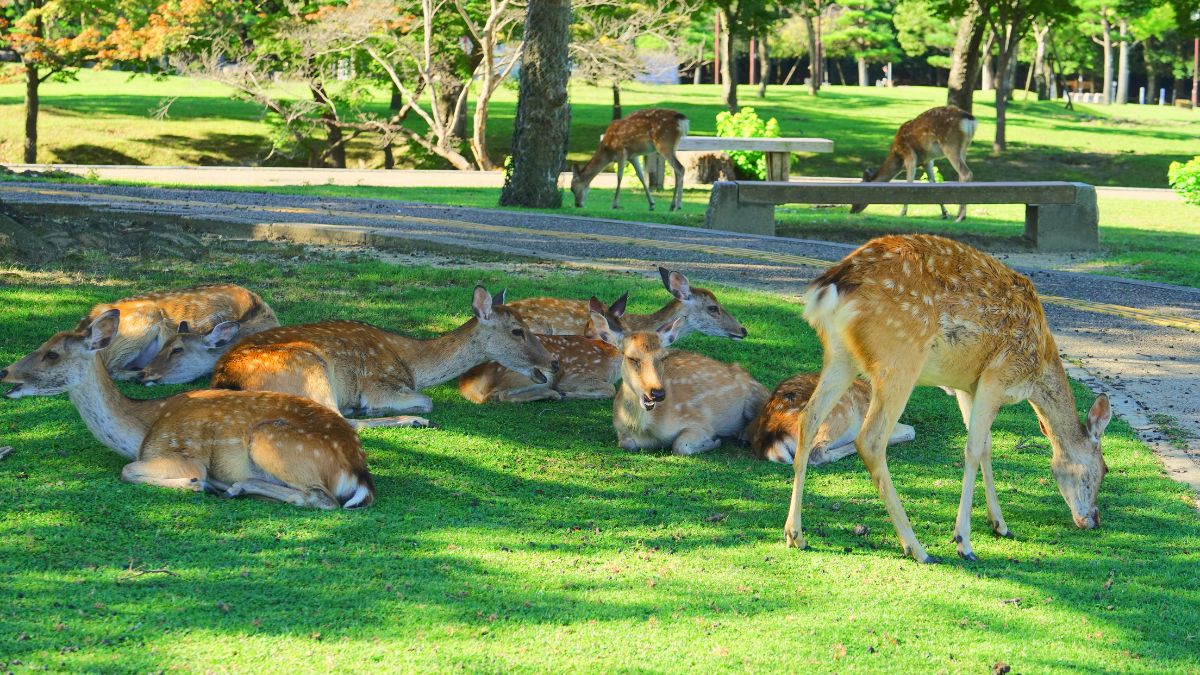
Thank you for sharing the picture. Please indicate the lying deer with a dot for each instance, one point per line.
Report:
(358, 369)
(919, 309)
(232, 443)
(947, 132)
(627, 140)
(676, 398)
(149, 322)
(593, 366)
(189, 355)
(772, 435)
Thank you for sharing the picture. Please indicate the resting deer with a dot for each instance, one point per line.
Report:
(938, 132)
(232, 443)
(924, 310)
(190, 355)
(676, 398)
(355, 368)
(150, 321)
(772, 435)
(627, 140)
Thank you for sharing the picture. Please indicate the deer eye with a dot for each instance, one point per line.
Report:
(177, 350)
(518, 332)
(636, 363)
(713, 309)
(50, 356)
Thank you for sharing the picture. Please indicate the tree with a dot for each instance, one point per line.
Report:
(542, 126)
(919, 32)
(811, 12)
(965, 59)
(739, 19)
(862, 29)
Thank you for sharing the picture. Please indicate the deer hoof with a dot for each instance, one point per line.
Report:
(968, 556)
(1005, 533)
(796, 540)
(930, 560)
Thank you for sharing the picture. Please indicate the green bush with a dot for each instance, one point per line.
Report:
(747, 124)
(1185, 178)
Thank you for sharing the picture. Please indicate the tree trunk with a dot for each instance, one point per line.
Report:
(728, 67)
(1123, 63)
(862, 72)
(1005, 61)
(1106, 45)
(814, 56)
(1039, 61)
(335, 148)
(764, 66)
(964, 61)
(616, 106)
(541, 129)
(32, 103)
(1151, 73)
(987, 76)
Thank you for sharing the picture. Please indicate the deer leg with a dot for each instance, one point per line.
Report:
(694, 442)
(587, 389)
(910, 173)
(677, 169)
(171, 470)
(257, 487)
(999, 527)
(637, 169)
(933, 181)
(836, 377)
(959, 161)
(983, 408)
(620, 172)
(535, 392)
(386, 406)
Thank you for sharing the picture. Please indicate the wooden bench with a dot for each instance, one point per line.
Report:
(1059, 216)
(778, 150)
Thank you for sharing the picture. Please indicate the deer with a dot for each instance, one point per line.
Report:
(355, 368)
(676, 398)
(772, 435)
(945, 131)
(916, 309)
(189, 355)
(627, 140)
(559, 324)
(151, 320)
(229, 443)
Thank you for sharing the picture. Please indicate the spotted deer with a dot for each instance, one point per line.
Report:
(150, 321)
(628, 140)
(676, 398)
(772, 435)
(923, 310)
(358, 369)
(231, 443)
(945, 131)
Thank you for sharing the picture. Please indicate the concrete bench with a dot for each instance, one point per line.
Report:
(778, 150)
(1059, 216)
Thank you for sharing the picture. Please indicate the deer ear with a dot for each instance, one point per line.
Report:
(481, 304)
(595, 306)
(184, 327)
(617, 309)
(222, 334)
(678, 285)
(602, 328)
(1099, 417)
(498, 299)
(102, 330)
(669, 331)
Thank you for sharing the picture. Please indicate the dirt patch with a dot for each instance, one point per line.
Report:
(48, 234)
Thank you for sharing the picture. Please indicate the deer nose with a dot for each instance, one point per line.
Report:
(554, 365)
(658, 395)
(3, 373)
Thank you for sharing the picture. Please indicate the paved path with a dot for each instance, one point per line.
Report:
(1138, 341)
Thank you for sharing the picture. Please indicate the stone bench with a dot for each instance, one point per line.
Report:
(778, 150)
(1059, 216)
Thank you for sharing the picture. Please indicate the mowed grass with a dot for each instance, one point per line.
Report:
(519, 537)
(108, 117)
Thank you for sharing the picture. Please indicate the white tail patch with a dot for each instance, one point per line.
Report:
(347, 485)
(968, 126)
(360, 495)
(685, 125)
(819, 304)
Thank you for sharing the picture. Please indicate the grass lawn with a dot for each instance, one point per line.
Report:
(519, 537)
(107, 118)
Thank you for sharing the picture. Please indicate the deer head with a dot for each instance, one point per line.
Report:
(1079, 467)
(869, 175)
(188, 355)
(579, 185)
(507, 340)
(63, 361)
(702, 310)
(643, 354)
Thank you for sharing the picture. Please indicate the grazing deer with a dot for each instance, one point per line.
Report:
(772, 435)
(627, 140)
(676, 398)
(924, 310)
(356, 368)
(945, 131)
(149, 321)
(232, 443)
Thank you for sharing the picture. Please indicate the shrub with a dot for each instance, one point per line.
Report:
(747, 124)
(1185, 178)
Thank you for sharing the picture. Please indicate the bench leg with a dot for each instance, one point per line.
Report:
(779, 166)
(725, 212)
(655, 170)
(1065, 227)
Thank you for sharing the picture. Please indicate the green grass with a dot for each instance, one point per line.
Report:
(106, 118)
(519, 537)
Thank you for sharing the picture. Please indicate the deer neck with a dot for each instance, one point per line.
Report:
(445, 357)
(891, 166)
(602, 158)
(115, 419)
(1054, 404)
(669, 312)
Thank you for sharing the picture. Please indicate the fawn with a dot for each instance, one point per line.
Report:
(924, 310)
(150, 321)
(627, 140)
(232, 443)
(355, 368)
(945, 131)
(772, 435)
(676, 398)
